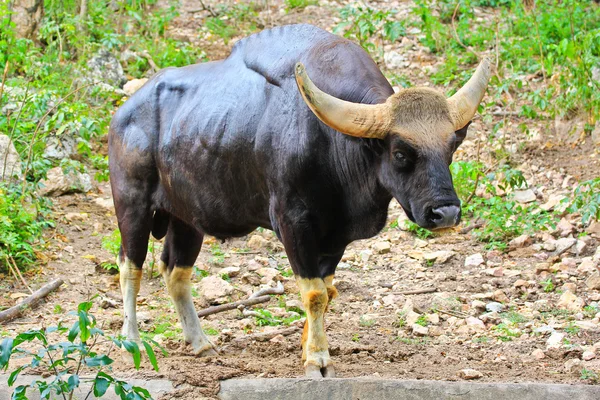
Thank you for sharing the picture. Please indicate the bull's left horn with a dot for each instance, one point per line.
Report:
(354, 119)
(464, 103)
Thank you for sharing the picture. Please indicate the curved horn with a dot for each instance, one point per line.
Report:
(354, 119)
(464, 103)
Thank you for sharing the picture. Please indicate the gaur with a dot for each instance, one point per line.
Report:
(221, 148)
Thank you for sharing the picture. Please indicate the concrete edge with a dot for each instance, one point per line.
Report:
(382, 389)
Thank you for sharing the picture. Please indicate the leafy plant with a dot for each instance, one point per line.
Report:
(299, 4)
(586, 200)
(366, 322)
(112, 243)
(368, 26)
(66, 360)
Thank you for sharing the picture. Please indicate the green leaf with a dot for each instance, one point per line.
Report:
(101, 385)
(74, 332)
(19, 393)
(6, 349)
(134, 349)
(84, 323)
(73, 382)
(14, 375)
(98, 361)
(151, 355)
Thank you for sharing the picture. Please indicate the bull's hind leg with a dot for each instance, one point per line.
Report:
(134, 224)
(182, 246)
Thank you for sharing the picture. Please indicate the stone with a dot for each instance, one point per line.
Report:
(394, 60)
(564, 227)
(569, 301)
(420, 330)
(382, 247)
(104, 203)
(555, 340)
(587, 325)
(588, 355)
(60, 147)
(564, 244)
(469, 373)
(553, 201)
(524, 196)
(433, 319)
(278, 339)
(9, 154)
(57, 183)
(580, 247)
(593, 229)
(593, 281)
(499, 296)
(569, 286)
(520, 241)
(439, 257)
(134, 85)
(475, 323)
(478, 305)
(411, 318)
(104, 67)
(538, 354)
(214, 289)
(257, 242)
(494, 307)
(269, 274)
(474, 260)
(586, 266)
(230, 271)
(521, 283)
(573, 365)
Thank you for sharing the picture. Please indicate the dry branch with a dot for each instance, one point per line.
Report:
(418, 291)
(255, 298)
(233, 306)
(264, 336)
(30, 301)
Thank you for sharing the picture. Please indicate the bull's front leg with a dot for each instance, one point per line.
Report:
(300, 244)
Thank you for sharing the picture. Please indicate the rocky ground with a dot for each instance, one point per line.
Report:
(530, 313)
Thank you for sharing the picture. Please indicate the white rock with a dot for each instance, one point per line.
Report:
(552, 202)
(433, 319)
(411, 318)
(214, 289)
(474, 260)
(395, 60)
(520, 241)
(587, 265)
(382, 247)
(538, 354)
(59, 147)
(570, 301)
(104, 203)
(469, 373)
(419, 330)
(58, 183)
(439, 257)
(269, 274)
(475, 323)
(588, 355)
(593, 281)
(13, 161)
(524, 196)
(564, 244)
(555, 340)
(134, 85)
(293, 303)
(257, 242)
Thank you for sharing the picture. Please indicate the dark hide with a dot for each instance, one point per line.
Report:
(227, 146)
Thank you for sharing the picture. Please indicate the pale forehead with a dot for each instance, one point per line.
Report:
(421, 116)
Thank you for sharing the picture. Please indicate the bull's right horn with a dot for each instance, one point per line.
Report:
(354, 119)
(464, 103)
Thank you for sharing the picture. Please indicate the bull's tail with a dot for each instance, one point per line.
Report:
(160, 224)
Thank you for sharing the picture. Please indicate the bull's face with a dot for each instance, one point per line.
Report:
(420, 130)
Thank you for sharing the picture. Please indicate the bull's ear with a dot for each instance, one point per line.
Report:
(460, 135)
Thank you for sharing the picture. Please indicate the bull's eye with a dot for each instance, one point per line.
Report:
(400, 159)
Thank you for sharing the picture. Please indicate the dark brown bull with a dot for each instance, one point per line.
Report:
(221, 148)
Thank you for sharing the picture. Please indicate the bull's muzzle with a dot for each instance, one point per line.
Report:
(444, 217)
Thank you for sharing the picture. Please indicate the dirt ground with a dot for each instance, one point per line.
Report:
(367, 325)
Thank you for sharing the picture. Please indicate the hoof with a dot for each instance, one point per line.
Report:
(205, 350)
(314, 372)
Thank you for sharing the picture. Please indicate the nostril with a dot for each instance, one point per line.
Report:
(445, 216)
(433, 215)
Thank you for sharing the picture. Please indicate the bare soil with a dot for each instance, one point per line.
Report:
(364, 325)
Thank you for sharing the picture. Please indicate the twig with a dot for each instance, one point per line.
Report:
(30, 301)
(150, 61)
(19, 273)
(3, 80)
(469, 228)
(264, 336)
(418, 291)
(457, 314)
(204, 8)
(233, 306)
(270, 290)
